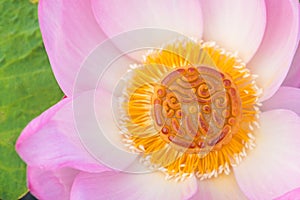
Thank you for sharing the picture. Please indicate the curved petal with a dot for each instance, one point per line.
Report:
(110, 185)
(235, 25)
(292, 195)
(285, 98)
(116, 17)
(272, 168)
(274, 56)
(69, 31)
(51, 141)
(99, 132)
(55, 184)
(103, 66)
(223, 187)
(293, 77)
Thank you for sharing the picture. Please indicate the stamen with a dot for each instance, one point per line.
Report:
(190, 108)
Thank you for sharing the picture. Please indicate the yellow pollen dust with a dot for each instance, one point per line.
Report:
(190, 108)
(34, 1)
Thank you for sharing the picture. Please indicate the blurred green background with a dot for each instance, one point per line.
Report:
(27, 87)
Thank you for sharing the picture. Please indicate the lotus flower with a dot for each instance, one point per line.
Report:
(226, 74)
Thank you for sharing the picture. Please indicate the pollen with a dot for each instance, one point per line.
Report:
(190, 109)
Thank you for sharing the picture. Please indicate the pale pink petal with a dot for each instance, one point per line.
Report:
(111, 185)
(103, 66)
(292, 195)
(47, 184)
(222, 187)
(51, 141)
(70, 32)
(285, 98)
(293, 77)
(99, 132)
(115, 17)
(272, 168)
(299, 23)
(237, 26)
(274, 56)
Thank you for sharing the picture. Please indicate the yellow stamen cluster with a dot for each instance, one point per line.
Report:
(190, 108)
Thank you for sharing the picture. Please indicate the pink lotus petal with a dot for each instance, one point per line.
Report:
(51, 141)
(292, 195)
(147, 24)
(272, 168)
(69, 32)
(223, 187)
(100, 133)
(285, 98)
(273, 58)
(116, 17)
(112, 185)
(104, 66)
(293, 77)
(47, 184)
(236, 26)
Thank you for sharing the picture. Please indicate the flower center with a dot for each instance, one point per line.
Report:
(197, 109)
(189, 108)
